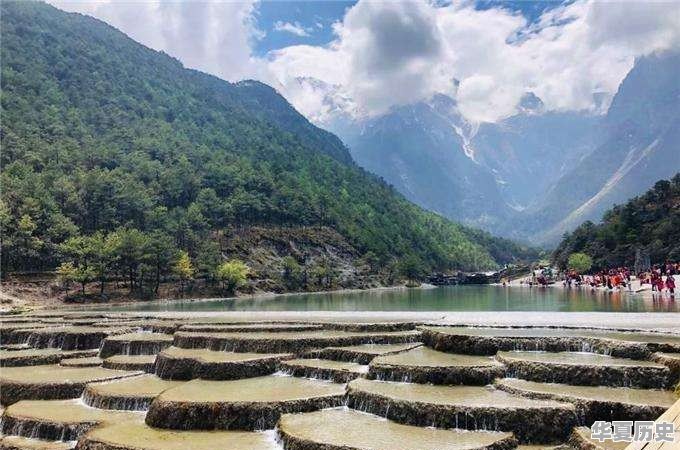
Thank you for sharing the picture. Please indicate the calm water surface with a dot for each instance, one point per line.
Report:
(449, 298)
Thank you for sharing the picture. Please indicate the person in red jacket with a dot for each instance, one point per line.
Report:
(659, 283)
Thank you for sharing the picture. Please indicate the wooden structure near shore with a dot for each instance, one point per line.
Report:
(671, 415)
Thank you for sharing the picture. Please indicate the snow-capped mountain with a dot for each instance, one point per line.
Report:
(531, 176)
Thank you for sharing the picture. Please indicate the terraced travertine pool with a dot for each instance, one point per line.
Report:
(215, 382)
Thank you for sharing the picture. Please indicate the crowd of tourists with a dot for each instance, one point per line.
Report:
(660, 277)
(655, 277)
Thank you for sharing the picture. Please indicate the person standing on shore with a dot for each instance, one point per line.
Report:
(659, 283)
(654, 280)
(670, 284)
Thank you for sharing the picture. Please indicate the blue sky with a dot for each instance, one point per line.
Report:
(314, 18)
(531, 9)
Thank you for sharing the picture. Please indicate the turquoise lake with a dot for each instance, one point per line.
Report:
(448, 298)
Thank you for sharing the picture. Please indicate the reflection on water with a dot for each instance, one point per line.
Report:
(448, 298)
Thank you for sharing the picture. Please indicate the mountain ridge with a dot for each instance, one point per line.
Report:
(420, 149)
(637, 146)
(102, 134)
(538, 173)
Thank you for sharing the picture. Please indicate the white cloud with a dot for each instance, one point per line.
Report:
(389, 53)
(293, 28)
(212, 36)
(309, 77)
(394, 53)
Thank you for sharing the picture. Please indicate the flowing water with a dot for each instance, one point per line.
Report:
(260, 389)
(477, 396)
(134, 394)
(447, 298)
(346, 427)
(217, 356)
(426, 357)
(600, 393)
(48, 374)
(133, 434)
(575, 358)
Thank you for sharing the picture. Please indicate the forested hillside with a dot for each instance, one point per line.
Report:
(116, 159)
(649, 223)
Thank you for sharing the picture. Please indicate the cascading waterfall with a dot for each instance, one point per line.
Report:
(46, 431)
(122, 403)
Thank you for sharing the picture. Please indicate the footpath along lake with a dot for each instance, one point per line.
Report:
(447, 298)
